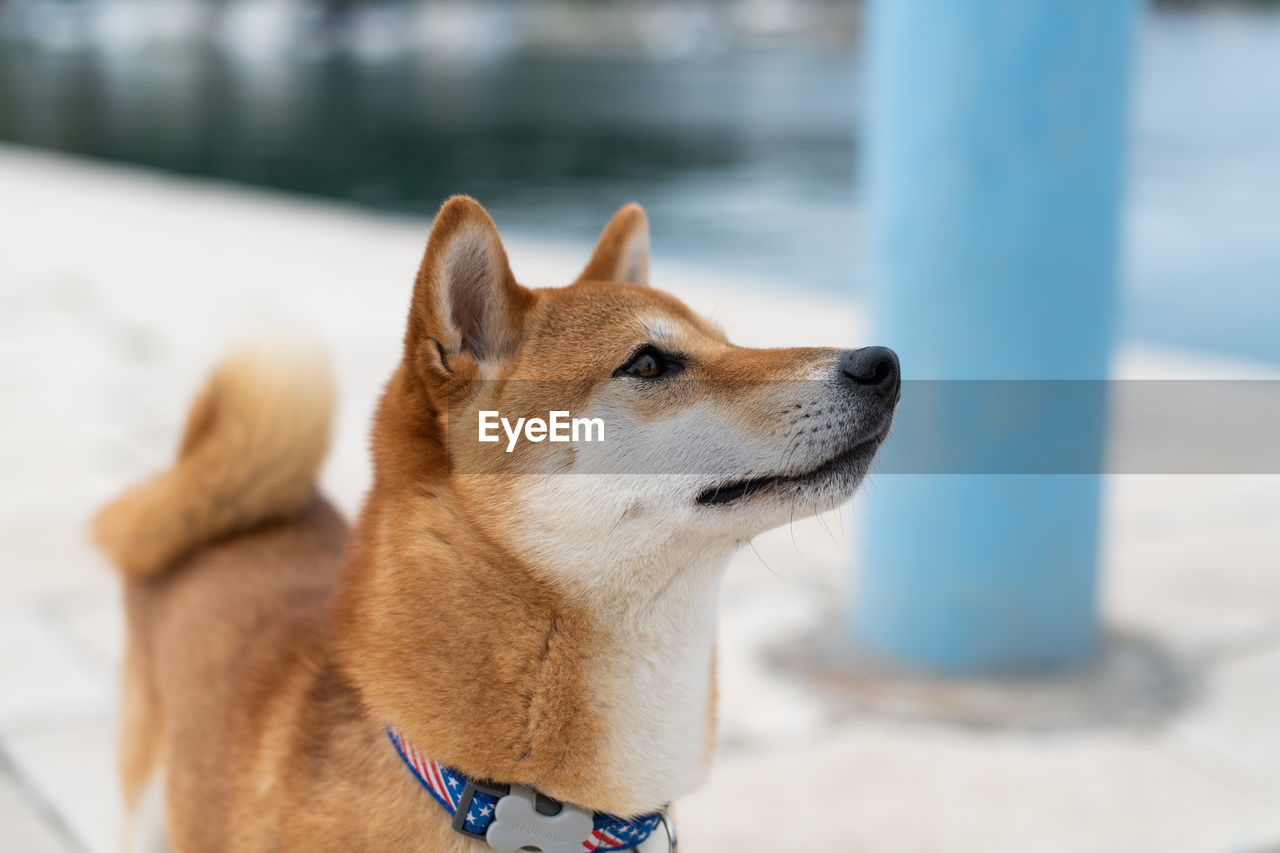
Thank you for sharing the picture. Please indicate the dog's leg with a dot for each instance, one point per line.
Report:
(141, 766)
(147, 831)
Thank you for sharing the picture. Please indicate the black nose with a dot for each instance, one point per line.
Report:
(873, 369)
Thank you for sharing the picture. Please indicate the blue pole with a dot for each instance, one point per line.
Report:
(994, 161)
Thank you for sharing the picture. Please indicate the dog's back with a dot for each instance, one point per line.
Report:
(229, 560)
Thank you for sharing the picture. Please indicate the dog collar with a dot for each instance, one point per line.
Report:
(512, 817)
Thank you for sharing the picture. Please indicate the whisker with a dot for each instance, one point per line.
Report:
(763, 562)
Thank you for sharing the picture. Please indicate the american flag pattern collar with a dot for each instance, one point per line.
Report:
(454, 791)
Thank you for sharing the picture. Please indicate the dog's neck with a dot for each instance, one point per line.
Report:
(508, 672)
(656, 659)
(653, 591)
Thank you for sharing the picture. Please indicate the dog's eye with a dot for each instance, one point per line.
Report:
(648, 363)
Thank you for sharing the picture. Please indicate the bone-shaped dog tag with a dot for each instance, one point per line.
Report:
(518, 825)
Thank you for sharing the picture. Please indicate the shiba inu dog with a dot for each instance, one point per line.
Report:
(506, 650)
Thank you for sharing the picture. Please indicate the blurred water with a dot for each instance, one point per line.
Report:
(1204, 213)
(744, 160)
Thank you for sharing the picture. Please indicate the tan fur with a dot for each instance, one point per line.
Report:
(622, 253)
(255, 436)
(523, 629)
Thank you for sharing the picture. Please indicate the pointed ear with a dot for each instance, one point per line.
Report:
(622, 253)
(466, 303)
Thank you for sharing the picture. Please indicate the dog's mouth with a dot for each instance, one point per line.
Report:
(737, 490)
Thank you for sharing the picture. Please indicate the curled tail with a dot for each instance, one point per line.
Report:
(255, 437)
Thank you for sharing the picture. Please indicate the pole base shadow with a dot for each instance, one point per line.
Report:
(1130, 682)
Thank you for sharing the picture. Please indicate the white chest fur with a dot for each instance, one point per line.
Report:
(652, 676)
(651, 589)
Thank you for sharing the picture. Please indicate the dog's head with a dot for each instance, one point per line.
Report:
(564, 592)
(705, 444)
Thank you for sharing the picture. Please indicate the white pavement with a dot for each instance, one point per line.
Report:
(118, 288)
